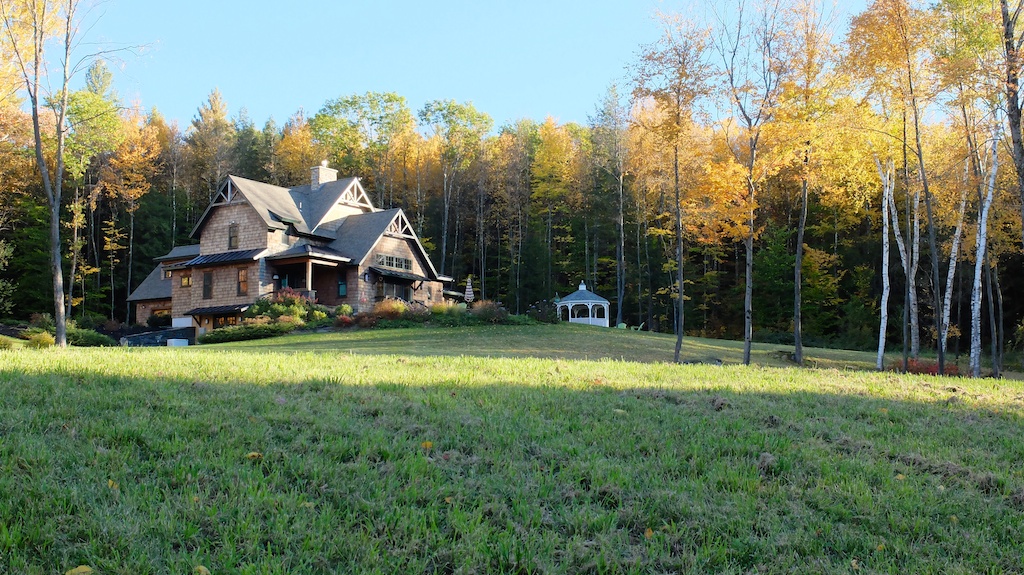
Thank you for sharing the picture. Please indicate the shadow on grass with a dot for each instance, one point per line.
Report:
(580, 469)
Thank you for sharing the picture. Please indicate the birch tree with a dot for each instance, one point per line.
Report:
(675, 73)
(28, 26)
(754, 66)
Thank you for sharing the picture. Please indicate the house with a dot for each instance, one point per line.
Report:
(153, 296)
(325, 240)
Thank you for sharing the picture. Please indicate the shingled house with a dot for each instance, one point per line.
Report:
(325, 240)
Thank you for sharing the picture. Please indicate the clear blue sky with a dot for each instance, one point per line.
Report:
(511, 58)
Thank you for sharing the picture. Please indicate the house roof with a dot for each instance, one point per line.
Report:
(583, 295)
(221, 258)
(398, 274)
(153, 287)
(309, 250)
(359, 233)
(179, 253)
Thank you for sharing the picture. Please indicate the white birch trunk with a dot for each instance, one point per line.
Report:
(915, 261)
(954, 254)
(887, 186)
(979, 261)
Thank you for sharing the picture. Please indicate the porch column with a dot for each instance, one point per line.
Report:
(309, 275)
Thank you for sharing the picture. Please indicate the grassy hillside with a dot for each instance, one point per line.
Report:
(301, 456)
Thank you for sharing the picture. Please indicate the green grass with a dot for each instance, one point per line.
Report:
(437, 458)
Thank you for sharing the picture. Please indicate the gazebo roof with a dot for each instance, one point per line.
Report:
(583, 295)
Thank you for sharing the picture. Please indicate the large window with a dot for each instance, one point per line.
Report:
(233, 237)
(396, 262)
(243, 281)
(186, 280)
(207, 285)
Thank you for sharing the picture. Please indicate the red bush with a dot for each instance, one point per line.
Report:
(923, 367)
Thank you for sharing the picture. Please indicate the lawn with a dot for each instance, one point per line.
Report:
(447, 451)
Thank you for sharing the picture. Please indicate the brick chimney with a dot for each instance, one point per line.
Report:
(320, 175)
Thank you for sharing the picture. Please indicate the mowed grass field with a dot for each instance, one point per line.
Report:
(500, 450)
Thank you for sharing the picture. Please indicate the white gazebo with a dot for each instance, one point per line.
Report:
(583, 306)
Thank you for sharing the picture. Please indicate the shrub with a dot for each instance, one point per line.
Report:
(6, 343)
(31, 331)
(455, 320)
(41, 340)
(246, 332)
(544, 311)
(448, 308)
(158, 320)
(290, 320)
(489, 311)
(42, 320)
(390, 309)
(257, 320)
(287, 302)
(89, 338)
(924, 367)
(397, 323)
(112, 325)
(344, 309)
(344, 321)
(366, 319)
(92, 320)
(417, 313)
(519, 320)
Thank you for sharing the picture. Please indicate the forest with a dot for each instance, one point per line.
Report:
(786, 182)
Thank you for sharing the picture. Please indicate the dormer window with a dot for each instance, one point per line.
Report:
(233, 237)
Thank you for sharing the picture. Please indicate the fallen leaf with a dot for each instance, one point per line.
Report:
(201, 570)
(900, 477)
(649, 533)
(254, 455)
(448, 500)
(195, 499)
(954, 519)
(427, 444)
(80, 570)
(308, 504)
(883, 410)
(619, 411)
(881, 547)
(113, 484)
(855, 565)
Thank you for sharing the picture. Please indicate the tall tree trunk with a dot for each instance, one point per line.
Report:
(679, 255)
(1013, 111)
(888, 182)
(748, 290)
(620, 256)
(981, 242)
(954, 255)
(993, 331)
(798, 344)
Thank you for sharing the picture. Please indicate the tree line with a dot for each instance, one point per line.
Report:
(756, 175)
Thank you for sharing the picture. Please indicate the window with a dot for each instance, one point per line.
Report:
(233, 237)
(167, 274)
(243, 281)
(186, 281)
(389, 261)
(207, 285)
(342, 286)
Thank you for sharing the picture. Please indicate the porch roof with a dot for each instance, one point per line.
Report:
(311, 251)
(218, 309)
(221, 258)
(398, 274)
